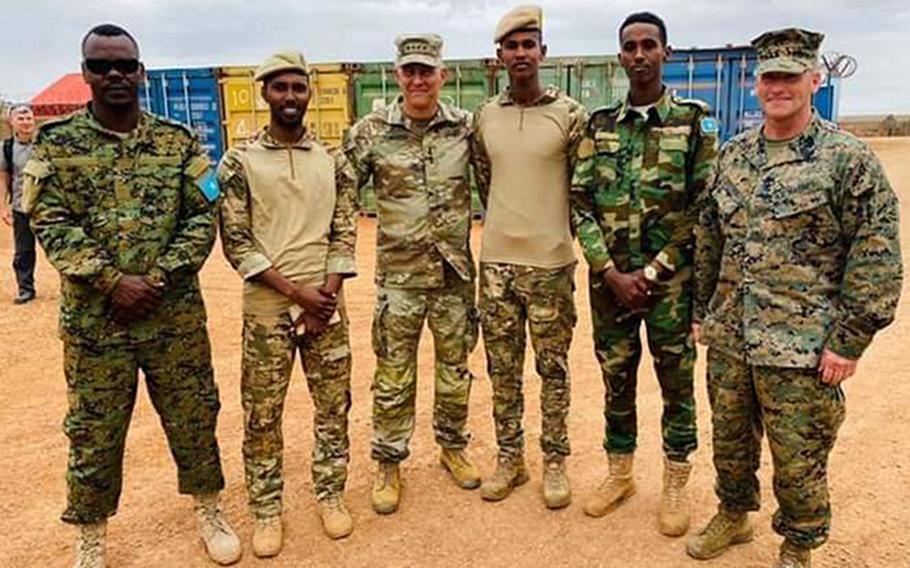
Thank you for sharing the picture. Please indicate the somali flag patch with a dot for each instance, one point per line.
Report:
(208, 184)
(709, 125)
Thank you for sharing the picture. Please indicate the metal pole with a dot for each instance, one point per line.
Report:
(742, 94)
(148, 94)
(717, 88)
(252, 86)
(167, 110)
(186, 100)
(315, 73)
(691, 67)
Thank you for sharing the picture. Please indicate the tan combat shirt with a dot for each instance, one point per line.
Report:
(288, 207)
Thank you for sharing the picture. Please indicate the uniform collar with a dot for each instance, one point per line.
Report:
(799, 149)
(141, 126)
(266, 140)
(550, 94)
(661, 109)
(396, 116)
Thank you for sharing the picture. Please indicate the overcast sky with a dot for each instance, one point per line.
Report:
(39, 40)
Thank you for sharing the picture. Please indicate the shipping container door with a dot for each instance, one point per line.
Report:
(188, 96)
(598, 82)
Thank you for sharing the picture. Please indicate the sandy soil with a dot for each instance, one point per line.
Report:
(438, 524)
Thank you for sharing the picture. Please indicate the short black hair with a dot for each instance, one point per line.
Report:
(109, 30)
(645, 18)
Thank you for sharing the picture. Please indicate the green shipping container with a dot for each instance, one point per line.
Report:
(467, 86)
(594, 81)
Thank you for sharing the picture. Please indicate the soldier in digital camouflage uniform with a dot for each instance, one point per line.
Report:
(123, 203)
(288, 225)
(415, 151)
(641, 167)
(523, 148)
(798, 265)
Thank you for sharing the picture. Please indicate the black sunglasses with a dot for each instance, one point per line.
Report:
(104, 66)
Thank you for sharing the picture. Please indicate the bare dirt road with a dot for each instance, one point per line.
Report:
(438, 524)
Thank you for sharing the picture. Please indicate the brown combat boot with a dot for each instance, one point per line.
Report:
(509, 474)
(463, 472)
(90, 545)
(336, 519)
(723, 530)
(617, 486)
(386, 488)
(221, 542)
(267, 537)
(793, 556)
(556, 491)
(673, 519)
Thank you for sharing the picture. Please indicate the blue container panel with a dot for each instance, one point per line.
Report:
(725, 79)
(189, 96)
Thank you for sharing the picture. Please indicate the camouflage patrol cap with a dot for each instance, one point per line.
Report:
(528, 17)
(282, 61)
(425, 49)
(791, 50)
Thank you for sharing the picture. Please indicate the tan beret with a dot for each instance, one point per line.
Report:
(282, 61)
(425, 49)
(528, 17)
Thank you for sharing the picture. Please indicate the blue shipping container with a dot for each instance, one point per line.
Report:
(725, 79)
(189, 96)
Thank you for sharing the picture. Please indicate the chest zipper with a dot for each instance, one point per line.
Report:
(291, 162)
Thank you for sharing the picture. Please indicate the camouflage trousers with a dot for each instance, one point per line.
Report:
(101, 388)
(512, 296)
(617, 344)
(397, 324)
(801, 416)
(269, 349)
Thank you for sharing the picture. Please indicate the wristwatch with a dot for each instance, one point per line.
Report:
(651, 274)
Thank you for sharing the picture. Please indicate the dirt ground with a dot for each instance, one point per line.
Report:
(437, 524)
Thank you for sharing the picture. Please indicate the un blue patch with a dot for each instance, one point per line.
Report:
(208, 183)
(709, 125)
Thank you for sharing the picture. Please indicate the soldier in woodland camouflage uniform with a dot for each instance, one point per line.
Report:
(523, 148)
(288, 225)
(122, 202)
(798, 265)
(415, 152)
(641, 166)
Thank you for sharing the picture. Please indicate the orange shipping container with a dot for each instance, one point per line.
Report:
(245, 113)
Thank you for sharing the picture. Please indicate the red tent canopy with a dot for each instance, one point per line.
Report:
(67, 94)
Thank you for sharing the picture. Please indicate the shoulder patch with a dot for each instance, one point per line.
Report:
(200, 170)
(709, 125)
(697, 103)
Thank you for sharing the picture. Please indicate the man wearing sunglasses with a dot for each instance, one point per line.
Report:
(123, 204)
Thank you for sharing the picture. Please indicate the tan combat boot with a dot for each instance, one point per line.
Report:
(723, 530)
(386, 488)
(617, 486)
(793, 556)
(673, 519)
(336, 519)
(90, 545)
(268, 536)
(460, 468)
(556, 491)
(509, 474)
(221, 542)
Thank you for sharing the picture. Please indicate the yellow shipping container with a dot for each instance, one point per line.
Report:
(245, 113)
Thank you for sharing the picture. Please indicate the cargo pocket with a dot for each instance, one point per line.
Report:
(804, 217)
(379, 341)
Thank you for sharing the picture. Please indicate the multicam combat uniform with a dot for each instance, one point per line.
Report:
(797, 251)
(424, 269)
(523, 160)
(633, 204)
(292, 208)
(104, 204)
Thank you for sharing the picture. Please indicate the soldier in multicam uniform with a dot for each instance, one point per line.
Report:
(123, 204)
(416, 152)
(288, 225)
(798, 265)
(523, 148)
(641, 167)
